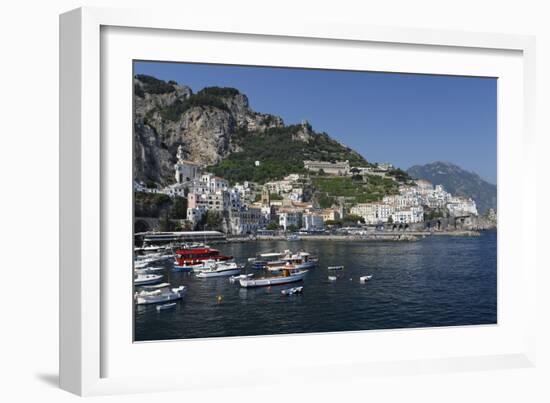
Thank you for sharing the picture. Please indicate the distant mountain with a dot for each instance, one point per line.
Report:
(217, 129)
(459, 182)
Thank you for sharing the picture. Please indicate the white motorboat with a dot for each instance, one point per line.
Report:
(220, 270)
(332, 278)
(147, 270)
(233, 279)
(164, 294)
(292, 291)
(141, 264)
(364, 279)
(144, 279)
(335, 268)
(299, 261)
(288, 276)
(205, 265)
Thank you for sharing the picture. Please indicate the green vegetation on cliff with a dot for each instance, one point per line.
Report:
(279, 152)
(374, 188)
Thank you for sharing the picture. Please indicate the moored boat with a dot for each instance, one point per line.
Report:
(364, 279)
(335, 268)
(288, 276)
(198, 255)
(220, 270)
(144, 279)
(236, 278)
(163, 294)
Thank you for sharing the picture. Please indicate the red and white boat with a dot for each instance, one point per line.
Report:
(195, 256)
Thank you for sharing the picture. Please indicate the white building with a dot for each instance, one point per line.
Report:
(458, 206)
(185, 171)
(367, 211)
(383, 212)
(286, 219)
(246, 221)
(409, 215)
(214, 183)
(313, 222)
(340, 168)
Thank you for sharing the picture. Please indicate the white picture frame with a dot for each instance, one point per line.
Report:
(88, 310)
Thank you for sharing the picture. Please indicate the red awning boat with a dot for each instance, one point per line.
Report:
(198, 255)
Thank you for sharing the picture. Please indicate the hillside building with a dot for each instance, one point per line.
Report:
(340, 168)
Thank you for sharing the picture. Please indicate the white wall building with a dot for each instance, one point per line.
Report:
(367, 211)
(246, 221)
(185, 171)
(409, 215)
(458, 206)
(286, 219)
(312, 222)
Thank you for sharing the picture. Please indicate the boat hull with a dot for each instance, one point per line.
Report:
(223, 273)
(266, 282)
(159, 298)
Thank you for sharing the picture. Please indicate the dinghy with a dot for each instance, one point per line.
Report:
(364, 279)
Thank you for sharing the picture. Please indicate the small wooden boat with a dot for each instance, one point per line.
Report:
(335, 268)
(292, 291)
(164, 307)
(364, 279)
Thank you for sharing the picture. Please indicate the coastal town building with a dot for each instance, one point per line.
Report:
(313, 221)
(339, 168)
(290, 218)
(461, 206)
(185, 171)
(246, 221)
(331, 214)
(409, 215)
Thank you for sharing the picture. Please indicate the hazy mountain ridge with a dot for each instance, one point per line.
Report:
(458, 182)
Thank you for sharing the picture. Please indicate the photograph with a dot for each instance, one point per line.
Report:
(283, 200)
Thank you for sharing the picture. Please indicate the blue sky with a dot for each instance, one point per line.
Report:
(405, 119)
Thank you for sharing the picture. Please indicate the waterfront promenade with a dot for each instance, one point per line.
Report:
(374, 236)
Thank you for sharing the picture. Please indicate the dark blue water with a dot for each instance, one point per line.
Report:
(437, 281)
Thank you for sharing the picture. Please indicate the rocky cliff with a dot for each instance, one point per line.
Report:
(168, 115)
(217, 129)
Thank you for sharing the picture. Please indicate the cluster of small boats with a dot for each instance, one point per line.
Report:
(148, 280)
(278, 268)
